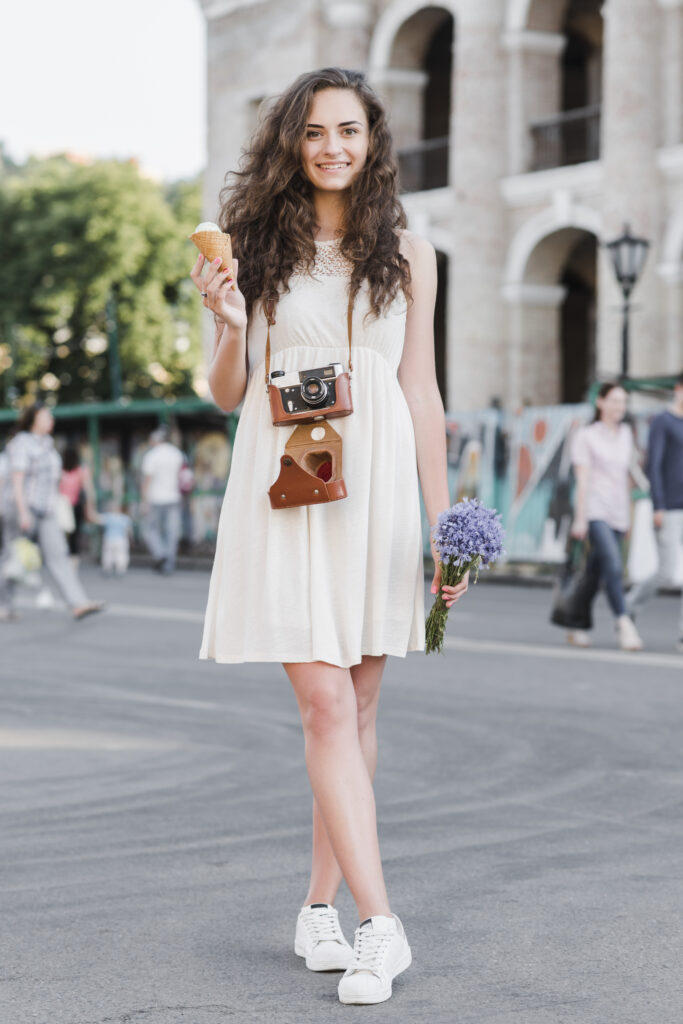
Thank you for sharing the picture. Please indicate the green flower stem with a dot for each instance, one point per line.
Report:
(435, 626)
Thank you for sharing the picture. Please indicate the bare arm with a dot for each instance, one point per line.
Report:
(228, 368)
(580, 525)
(637, 475)
(417, 377)
(23, 513)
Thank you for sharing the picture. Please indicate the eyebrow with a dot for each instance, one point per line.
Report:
(342, 124)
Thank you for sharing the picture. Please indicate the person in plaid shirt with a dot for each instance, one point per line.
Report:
(30, 500)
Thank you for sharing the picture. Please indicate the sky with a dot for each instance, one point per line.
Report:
(122, 78)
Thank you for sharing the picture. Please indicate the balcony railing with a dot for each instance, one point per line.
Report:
(569, 138)
(424, 166)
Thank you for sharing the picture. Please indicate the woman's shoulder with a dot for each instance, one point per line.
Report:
(416, 249)
(20, 440)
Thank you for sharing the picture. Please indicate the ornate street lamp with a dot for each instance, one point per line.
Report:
(628, 258)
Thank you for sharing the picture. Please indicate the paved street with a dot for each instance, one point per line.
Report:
(155, 821)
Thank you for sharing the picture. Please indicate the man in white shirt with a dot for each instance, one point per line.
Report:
(161, 467)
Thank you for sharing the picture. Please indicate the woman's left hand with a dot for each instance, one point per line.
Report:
(449, 595)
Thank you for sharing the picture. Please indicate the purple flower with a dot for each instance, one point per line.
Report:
(466, 536)
(468, 531)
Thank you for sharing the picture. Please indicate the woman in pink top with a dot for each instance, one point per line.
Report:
(604, 458)
(76, 484)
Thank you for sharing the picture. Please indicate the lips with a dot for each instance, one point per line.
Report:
(333, 167)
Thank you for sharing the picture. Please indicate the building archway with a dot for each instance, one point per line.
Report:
(387, 27)
(553, 321)
(560, 48)
(412, 64)
(578, 318)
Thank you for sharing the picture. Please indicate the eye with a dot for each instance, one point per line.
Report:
(312, 134)
(350, 131)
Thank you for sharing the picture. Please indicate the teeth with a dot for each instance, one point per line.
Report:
(332, 167)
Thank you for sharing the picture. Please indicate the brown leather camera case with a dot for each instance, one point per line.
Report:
(297, 483)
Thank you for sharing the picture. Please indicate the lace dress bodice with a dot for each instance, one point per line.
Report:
(312, 314)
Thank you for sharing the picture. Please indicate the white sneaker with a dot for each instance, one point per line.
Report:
(629, 637)
(579, 638)
(320, 940)
(380, 952)
(45, 599)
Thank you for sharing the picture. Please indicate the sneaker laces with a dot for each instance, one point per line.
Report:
(324, 924)
(368, 950)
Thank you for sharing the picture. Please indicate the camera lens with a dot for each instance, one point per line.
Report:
(314, 391)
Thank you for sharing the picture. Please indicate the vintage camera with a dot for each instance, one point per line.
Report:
(302, 396)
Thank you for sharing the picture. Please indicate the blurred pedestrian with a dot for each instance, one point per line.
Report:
(35, 469)
(161, 497)
(4, 481)
(604, 458)
(186, 480)
(77, 486)
(115, 540)
(665, 471)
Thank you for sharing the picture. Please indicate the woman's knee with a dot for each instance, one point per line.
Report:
(327, 707)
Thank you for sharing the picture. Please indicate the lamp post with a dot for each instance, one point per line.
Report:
(628, 258)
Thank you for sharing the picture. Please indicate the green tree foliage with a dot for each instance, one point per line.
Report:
(73, 236)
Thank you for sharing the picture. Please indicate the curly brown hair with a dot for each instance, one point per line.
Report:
(267, 206)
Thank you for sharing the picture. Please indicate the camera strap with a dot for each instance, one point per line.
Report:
(268, 309)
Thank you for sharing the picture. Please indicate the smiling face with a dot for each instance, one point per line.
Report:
(335, 146)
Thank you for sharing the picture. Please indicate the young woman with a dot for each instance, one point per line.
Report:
(35, 470)
(329, 590)
(604, 458)
(77, 486)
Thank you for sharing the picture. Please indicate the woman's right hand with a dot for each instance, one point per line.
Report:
(579, 529)
(218, 294)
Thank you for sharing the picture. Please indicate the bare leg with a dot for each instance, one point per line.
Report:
(326, 874)
(340, 779)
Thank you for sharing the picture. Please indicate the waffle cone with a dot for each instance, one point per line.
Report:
(212, 244)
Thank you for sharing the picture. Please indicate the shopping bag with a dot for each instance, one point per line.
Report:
(24, 562)
(643, 556)
(569, 606)
(64, 511)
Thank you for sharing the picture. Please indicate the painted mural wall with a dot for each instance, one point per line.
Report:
(520, 463)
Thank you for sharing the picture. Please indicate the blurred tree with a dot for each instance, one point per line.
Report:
(74, 236)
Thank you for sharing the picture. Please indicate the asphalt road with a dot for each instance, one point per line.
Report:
(155, 822)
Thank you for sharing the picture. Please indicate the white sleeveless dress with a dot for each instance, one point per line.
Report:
(327, 582)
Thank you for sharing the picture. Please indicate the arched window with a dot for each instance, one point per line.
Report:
(572, 135)
(419, 86)
(553, 339)
(578, 320)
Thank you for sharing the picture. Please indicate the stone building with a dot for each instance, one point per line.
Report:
(528, 133)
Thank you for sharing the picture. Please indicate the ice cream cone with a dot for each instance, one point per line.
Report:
(212, 244)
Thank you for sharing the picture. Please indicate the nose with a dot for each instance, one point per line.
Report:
(333, 147)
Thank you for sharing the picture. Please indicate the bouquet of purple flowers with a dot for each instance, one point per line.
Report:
(466, 536)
